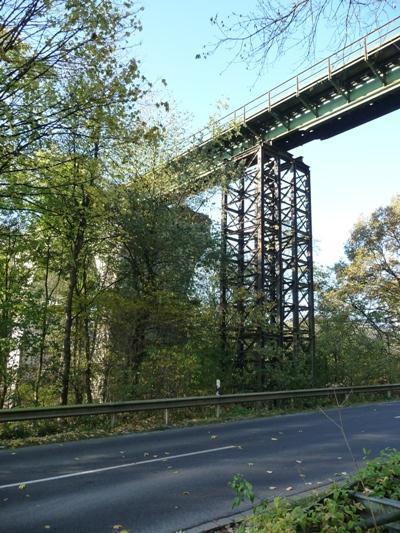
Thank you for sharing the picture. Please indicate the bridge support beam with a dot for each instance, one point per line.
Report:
(267, 300)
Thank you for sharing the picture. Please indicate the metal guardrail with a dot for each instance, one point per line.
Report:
(322, 70)
(38, 413)
(378, 512)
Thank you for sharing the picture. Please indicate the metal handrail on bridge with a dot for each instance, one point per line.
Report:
(39, 413)
(323, 69)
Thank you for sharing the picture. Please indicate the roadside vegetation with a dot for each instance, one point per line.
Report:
(335, 510)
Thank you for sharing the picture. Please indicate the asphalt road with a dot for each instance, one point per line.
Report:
(177, 479)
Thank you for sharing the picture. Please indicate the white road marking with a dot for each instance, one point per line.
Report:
(116, 467)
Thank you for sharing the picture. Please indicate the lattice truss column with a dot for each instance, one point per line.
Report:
(267, 269)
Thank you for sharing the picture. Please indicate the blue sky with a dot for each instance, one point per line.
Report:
(352, 173)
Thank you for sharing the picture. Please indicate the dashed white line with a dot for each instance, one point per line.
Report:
(116, 467)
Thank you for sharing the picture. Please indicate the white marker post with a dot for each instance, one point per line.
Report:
(218, 393)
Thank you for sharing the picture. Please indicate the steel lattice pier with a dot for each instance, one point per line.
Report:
(267, 303)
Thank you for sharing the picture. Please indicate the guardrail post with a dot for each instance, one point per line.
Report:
(218, 394)
(112, 421)
(389, 395)
(166, 417)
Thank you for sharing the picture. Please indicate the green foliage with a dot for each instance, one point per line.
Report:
(170, 373)
(359, 306)
(243, 489)
(336, 510)
(381, 476)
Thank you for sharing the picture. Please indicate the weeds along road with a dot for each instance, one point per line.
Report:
(177, 479)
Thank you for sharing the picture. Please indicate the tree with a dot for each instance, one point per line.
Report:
(358, 317)
(371, 279)
(42, 43)
(162, 244)
(68, 99)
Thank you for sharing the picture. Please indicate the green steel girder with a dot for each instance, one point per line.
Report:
(360, 91)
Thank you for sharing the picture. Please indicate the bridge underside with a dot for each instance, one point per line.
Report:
(267, 270)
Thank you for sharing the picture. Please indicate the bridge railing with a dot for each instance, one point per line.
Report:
(320, 71)
(39, 413)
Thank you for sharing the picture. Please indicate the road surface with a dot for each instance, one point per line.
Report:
(165, 481)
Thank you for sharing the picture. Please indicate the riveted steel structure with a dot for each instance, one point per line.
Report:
(267, 270)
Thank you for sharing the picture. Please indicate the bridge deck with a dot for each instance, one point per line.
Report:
(357, 84)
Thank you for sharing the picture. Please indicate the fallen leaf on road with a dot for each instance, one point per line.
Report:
(146, 454)
(250, 464)
(274, 438)
(175, 472)
(185, 493)
(76, 458)
(166, 453)
(272, 488)
(298, 461)
(22, 486)
(117, 527)
(308, 483)
(344, 473)
(339, 458)
(214, 437)
(289, 488)
(155, 456)
(269, 471)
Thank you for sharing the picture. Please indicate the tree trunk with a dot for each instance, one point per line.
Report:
(72, 284)
(67, 333)
(44, 328)
(88, 351)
